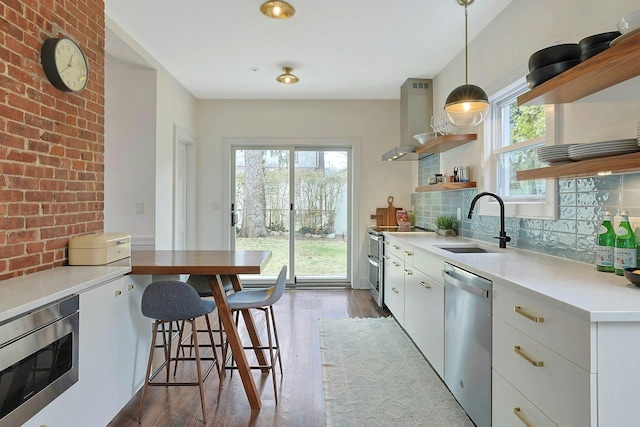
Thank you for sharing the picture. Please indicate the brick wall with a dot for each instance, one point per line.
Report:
(51, 142)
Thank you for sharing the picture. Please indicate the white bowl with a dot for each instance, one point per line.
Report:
(629, 22)
(424, 137)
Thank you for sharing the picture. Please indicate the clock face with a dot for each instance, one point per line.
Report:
(64, 64)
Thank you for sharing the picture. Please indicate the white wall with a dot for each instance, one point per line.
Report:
(375, 124)
(151, 174)
(499, 55)
(130, 138)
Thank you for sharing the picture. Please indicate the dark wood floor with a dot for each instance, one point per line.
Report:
(300, 394)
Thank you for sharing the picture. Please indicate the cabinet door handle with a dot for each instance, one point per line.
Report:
(385, 257)
(526, 357)
(397, 264)
(521, 417)
(425, 284)
(118, 293)
(130, 287)
(384, 242)
(395, 290)
(407, 253)
(408, 272)
(531, 317)
(396, 247)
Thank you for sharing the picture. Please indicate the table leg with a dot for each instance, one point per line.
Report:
(251, 328)
(234, 341)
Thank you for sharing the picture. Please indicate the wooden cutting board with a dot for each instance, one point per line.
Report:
(390, 215)
(386, 216)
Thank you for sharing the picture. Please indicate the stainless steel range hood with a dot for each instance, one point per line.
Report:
(416, 108)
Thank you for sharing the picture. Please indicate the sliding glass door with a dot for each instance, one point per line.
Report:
(294, 202)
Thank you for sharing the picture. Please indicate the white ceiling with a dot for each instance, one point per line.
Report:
(352, 49)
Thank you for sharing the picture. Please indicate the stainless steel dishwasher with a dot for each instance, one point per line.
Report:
(467, 341)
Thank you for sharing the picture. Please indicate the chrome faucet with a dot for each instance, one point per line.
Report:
(503, 235)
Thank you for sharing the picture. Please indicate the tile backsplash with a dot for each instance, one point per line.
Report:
(581, 202)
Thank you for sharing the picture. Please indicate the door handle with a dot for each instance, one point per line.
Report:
(448, 278)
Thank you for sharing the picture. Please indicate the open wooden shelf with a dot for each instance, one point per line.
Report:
(446, 186)
(618, 63)
(444, 143)
(613, 164)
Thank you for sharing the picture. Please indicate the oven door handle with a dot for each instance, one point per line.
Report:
(374, 261)
(375, 236)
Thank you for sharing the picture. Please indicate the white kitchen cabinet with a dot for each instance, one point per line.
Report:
(414, 293)
(114, 342)
(545, 354)
(555, 385)
(511, 408)
(114, 345)
(424, 316)
(394, 287)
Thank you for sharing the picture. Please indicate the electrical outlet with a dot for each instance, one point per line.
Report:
(139, 208)
(459, 214)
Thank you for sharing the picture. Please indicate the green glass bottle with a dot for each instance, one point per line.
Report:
(625, 251)
(605, 245)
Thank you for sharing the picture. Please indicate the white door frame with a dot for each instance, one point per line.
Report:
(354, 222)
(183, 138)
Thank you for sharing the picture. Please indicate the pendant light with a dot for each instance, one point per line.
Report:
(287, 78)
(277, 9)
(466, 105)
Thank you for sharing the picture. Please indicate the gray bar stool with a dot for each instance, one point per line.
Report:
(201, 285)
(170, 301)
(261, 299)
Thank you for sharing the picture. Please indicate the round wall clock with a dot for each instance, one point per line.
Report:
(64, 64)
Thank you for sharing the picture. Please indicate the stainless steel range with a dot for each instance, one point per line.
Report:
(376, 265)
(376, 259)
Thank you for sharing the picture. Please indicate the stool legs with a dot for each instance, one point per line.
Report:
(274, 351)
(168, 359)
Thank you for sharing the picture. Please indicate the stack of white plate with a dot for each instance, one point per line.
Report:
(554, 153)
(603, 149)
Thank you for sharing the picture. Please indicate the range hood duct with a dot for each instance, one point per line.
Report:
(416, 109)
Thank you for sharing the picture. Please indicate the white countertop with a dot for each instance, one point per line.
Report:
(573, 286)
(22, 294)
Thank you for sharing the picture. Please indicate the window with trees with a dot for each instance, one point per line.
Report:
(512, 136)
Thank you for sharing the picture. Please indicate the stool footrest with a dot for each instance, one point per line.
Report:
(176, 359)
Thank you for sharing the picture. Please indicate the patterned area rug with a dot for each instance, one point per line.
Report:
(373, 375)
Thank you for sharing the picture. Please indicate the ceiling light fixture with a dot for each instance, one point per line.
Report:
(277, 9)
(287, 78)
(466, 105)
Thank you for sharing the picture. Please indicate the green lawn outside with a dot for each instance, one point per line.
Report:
(315, 257)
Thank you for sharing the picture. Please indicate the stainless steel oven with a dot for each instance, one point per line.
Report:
(376, 266)
(38, 359)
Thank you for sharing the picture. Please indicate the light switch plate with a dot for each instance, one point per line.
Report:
(139, 208)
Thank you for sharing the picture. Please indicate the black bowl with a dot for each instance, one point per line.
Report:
(553, 55)
(541, 75)
(588, 53)
(633, 275)
(592, 41)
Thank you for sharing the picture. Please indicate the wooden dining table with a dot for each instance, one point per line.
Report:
(213, 264)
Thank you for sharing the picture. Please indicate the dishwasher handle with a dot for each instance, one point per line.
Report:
(448, 278)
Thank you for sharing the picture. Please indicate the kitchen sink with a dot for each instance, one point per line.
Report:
(465, 249)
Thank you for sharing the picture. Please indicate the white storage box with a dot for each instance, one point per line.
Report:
(99, 248)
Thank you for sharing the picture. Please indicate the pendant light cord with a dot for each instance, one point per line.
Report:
(466, 44)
